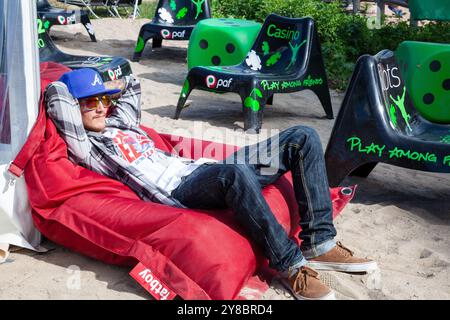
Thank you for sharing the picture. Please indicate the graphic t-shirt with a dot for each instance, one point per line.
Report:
(165, 170)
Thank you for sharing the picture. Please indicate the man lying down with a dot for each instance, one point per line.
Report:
(104, 136)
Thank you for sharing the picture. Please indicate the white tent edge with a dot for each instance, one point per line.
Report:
(16, 224)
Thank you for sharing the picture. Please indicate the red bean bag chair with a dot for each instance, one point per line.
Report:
(192, 254)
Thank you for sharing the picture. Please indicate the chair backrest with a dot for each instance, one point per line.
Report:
(47, 49)
(430, 9)
(399, 107)
(182, 12)
(425, 67)
(282, 45)
(43, 5)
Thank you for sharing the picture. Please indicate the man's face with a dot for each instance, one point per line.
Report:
(94, 111)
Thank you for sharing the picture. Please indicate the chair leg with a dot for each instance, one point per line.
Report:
(316, 67)
(90, 30)
(185, 92)
(364, 170)
(109, 7)
(136, 9)
(116, 11)
(140, 45)
(337, 169)
(335, 176)
(270, 100)
(253, 107)
(88, 6)
(323, 94)
(341, 164)
(157, 42)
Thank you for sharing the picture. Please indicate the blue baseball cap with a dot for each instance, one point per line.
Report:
(83, 83)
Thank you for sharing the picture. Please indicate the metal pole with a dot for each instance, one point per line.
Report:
(135, 9)
(380, 11)
(356, 6)
(89, 8)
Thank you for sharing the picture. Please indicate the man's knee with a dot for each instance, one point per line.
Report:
(305, 135)
(236, 172)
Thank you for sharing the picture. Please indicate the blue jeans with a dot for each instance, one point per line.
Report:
(237, 182)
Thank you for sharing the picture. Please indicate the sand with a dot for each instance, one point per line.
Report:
(399, 217)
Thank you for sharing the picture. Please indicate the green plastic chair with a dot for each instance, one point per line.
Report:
(430, 9)
(173, 20)
(285, 57)
(426, 69)
(221, 42)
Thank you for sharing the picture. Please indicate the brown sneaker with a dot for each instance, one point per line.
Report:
(305, 285)
(341, 258)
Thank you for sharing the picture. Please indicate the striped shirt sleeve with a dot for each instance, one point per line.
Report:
(127, 110)
(64, 110)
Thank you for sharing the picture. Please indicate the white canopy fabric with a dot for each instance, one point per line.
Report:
(19, 98)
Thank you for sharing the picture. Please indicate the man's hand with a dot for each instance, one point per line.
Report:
(115, 84)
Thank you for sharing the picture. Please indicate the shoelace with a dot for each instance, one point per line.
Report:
(301, 279)
(345, 251)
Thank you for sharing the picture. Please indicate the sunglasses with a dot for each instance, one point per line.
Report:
(92, 103)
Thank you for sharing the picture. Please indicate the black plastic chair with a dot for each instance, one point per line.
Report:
(286, 57)
(57, 16)
(173, 20)
(110, 68)
(377, 122)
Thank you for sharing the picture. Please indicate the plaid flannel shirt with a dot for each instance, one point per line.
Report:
(96, 152)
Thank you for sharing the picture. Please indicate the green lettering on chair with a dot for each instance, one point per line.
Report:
(274, 32)
(446, 160)
(357, 145)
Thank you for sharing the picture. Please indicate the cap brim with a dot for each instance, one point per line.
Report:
(100, 93)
